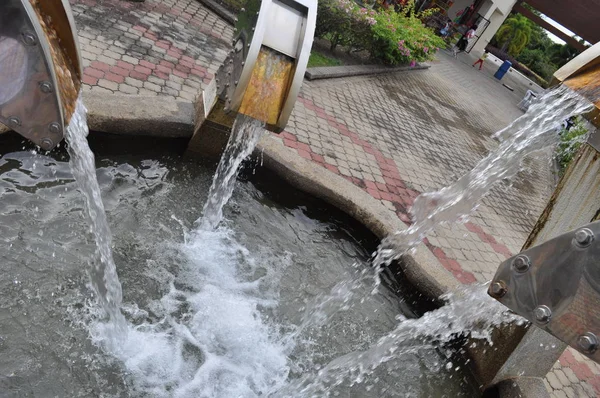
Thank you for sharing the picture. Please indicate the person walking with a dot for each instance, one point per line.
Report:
(463, 42)
(481, 59)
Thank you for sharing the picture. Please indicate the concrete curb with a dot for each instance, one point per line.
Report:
(134, 115)
(221, 11)
(422, 268)
(330, 72)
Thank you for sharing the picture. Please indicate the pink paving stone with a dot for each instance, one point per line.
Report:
(150, 36)
(182, 68)
(187, 63)
(333, 168)
(386, 196)
(175, 54)
(501, 249)
(198, 73)
(166, 64)
(163, 45)
(290, 143)
(567, 358)
(374, 193)
(138, 75)
(162, 75)
(143, 69)
(93, 72)
(304, 147)
(113, 77)
(100, 66)
(163, 69)
(92, 81)
(465, 277)
(207, 80)
(595, 382)
(147, 64)
(139, 28)
(382, 187)
(125, 65)
(317, 158)
(119, 71)
(180, 73)
(581, 370)
(304, 154)
(287, 135)
(392, 182)
(453, 265)
(370, 184)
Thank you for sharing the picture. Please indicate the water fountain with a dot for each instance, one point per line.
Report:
(267, 64)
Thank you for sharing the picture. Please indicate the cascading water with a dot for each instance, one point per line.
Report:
(218, 332)
(245, 134)
(532, 132)
(103, 272)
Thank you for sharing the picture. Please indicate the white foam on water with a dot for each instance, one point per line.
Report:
(212, 340)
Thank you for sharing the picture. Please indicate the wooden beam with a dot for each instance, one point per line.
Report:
(551, 28)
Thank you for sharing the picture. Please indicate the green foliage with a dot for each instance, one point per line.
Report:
(318, 59)
(537, 61)
(515, 33)
(570, 141)
(399, 38)
(391, 37)
(344, 23)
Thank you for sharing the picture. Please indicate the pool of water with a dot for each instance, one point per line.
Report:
(282, 288)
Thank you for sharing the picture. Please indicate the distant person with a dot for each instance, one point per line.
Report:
(463, 42)
(481, 59)
(445, 31)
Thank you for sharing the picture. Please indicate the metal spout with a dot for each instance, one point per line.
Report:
(40, 68)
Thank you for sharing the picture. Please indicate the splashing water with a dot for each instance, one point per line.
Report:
(245, 134)
(468, 312)
(103, 272)
(532, 132)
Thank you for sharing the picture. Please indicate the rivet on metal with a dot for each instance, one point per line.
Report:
(47, 144)
(542, 314)
(243, 63)
(236, 83)
(235, 19)
(46, 87)
(584, 237)
(54, 128)
(498, 289)
(253, 29)
(14, 121)
(521, 263)
(28, 38)
(588, 342)
(243, 9)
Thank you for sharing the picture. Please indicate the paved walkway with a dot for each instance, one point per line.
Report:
(394, 136)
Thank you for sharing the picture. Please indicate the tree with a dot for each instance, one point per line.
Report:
(514, 34)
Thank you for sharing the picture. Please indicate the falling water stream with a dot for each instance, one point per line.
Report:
(219, 334)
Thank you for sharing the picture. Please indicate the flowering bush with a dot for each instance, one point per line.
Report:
(391, 37)
(402, 39)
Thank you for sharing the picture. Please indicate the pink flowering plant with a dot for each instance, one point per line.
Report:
(401, 38)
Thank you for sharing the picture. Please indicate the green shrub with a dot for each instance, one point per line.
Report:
(391, 37)
(401, 39)
(343, 22)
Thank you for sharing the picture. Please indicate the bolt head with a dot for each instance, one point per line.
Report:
(542, 314)
(497, 289)
(46, 87)
(14, 122)
(588, 342)
(54, 128)
(28, 38)
(242, 9)
(521, 263)
(584, 237)
(47, 144)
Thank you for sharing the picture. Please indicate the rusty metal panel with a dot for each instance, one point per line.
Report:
(268, 87)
